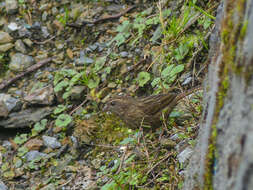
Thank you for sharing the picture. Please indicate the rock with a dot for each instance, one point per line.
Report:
(123, 54)
(50, 186)
(185, 155)
(76, 92)
(28, 42)
(167, 143)
(20, 46)
(34, 154)
(45, 32)
(7, 144)
(3, 186)
(24, 32)
(5, 37)
(42, 96)
(6, 47)
(7, 104)
(51, 142)
(13, 26)
(11, 6)
(20, 62)
(25, 117)
(83, 60)
(34, 144)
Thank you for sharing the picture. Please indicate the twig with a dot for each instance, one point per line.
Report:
(122, 161)
(74, 25)
(134, 66)
(167, 156)
(78, 107)
(41, 43)
(29, 70)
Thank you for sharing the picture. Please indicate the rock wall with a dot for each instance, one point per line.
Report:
(223, 156)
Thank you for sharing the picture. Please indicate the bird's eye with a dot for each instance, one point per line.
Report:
(113, 103)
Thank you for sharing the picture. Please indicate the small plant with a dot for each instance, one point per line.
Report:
(65, 17)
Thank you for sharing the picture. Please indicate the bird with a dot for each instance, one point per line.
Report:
(145, 111)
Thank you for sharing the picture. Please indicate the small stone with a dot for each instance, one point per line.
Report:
(20, 62)
(45, 33)
(34, 144)
(11, 6)
(76, 92)
(34, 154)
(28, 42)
(25, 118)
(51, 142)
(7, 104)
(5, 37)
(20, 46)
(3, 186)
(6, 47)
(123, 54)
(168, 143)
(13, 26)
(44, 16)
(112, 85)
(185, 155)
(42, 96)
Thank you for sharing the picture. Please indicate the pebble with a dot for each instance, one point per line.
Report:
(34, 154)
(5, 37)
(51, 142)
(20, 62)
(11, 6)
(20, 46)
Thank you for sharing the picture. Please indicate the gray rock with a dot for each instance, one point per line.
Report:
(6, 47)
(25, 117)
(13, 26)
(3, 186)
(123, 54)
(24, 32)
(8, 103)
(20, 62)
(5, 37)
(20, 46)
(44, 16)
(50, 186)
(11, 6)
(185, 155)
(34, 154)
(51, 142)
(76, 92)
(42, 96)
(28, 42)
(7, 144)
(45, 32)
(83, 60)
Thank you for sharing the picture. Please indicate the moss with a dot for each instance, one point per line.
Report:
(232, 34)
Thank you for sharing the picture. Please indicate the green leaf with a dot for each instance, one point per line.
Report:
(181, 51)
(93, 82)
(156, 81)
(60, 109)
(63, 120)
(39, 126)
(99, 64)
(166, 72)
(176, 70)
(22, 151)
(127, 141)
(60, 86)
(143, 78)
(20, 139)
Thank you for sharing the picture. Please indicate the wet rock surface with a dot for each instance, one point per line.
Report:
(56, 108)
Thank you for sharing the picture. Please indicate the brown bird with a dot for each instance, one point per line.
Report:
(144, 110)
